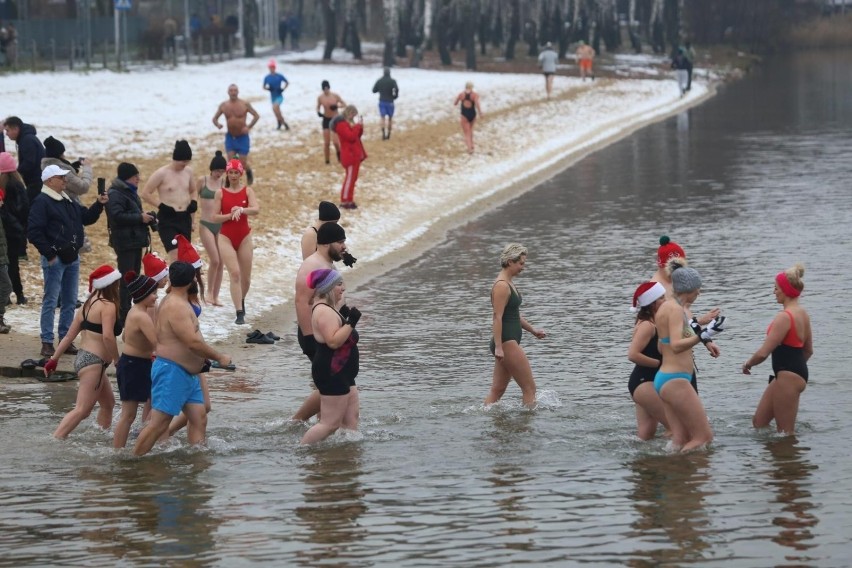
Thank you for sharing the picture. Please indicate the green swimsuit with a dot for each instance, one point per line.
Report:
(511, 318)
(207, 193)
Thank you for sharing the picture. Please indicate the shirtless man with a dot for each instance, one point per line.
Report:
(171, 189)
(181, 355)
(585, 55)
(237, 141)
(327, 105)
(331, 244)
(328, 213)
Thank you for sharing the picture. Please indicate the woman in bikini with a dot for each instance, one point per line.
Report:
(789, 342)
(679, 332)
(209, 230)
(234, 203)
(469, 101)
(510, 361)
(97, 319)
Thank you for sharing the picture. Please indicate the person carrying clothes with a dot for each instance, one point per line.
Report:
(55, 228)
(128, 226)
(15, 210)
(388, 92)
(30, 153)
(352, 153)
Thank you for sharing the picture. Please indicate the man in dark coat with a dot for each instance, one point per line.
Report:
(30, 153)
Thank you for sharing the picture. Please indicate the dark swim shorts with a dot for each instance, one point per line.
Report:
(172, 223)
(134, 378)
(307, 343)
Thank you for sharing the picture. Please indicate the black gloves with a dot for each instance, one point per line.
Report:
(348, 259)
(193, 206)
(321, 115)
(344, 311)
(353, 317)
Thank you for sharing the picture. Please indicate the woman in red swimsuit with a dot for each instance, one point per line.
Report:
(789, 342)
(235, 202)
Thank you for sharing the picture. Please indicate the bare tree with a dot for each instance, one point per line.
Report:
(351, 39)
(514, 28)
(390, 18)
(329, 13)
(469, 17)
(443, 25)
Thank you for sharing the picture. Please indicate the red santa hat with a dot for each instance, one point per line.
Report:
(646, 294)
(103, 276)
(155, 267)
(235, 164)
(187, 252)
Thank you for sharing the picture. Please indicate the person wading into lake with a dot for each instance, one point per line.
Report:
(790, 343)
(510, 361)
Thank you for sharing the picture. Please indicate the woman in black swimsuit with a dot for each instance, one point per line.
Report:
(98, 318)
(645, 354)
(469, 109)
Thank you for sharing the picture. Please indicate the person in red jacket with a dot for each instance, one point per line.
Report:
(352, 153)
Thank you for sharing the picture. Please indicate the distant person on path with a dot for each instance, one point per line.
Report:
(548, 59)
(294, 24)
(234, 203)
(388, 92)
(15, 211)
(680, 65)
(129, 226)
(790, 343)
(30, 153)
(585, 56)
(644, 353)
(336, 362)
(469, 109)
(328, 104)
(273, 83)
(689, 53)
(237, 140)
(352, 153)
(283, 28)
(208, 229)
(97, 321)
(181, 354)
(679, 333)
(133, 370)
(55, 228)
(328, 213)
(507, 326)
(171, 189)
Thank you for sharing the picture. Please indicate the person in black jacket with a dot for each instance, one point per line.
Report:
(30, 153)
(14, 213)
(128, 226)
(55, 228)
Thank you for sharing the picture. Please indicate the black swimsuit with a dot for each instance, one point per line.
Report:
(468, 109)
(642, 374)
(334, 370)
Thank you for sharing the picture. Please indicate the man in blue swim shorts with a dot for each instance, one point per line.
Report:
(181, 355)
(237, 141)
(276, 84)
(388, 92)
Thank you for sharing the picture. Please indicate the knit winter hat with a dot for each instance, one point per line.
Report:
(328, 211)
(139, 286)
(235, 164)
(668, 249)
(324, 280)
(126, 171)
(218, 162)
(685, 279)
(187, 252)
(182, 151)
(155, 267)
(7, 163)
(103, 276)
(53, 148)
(330, 233)
(326, 85)
(181, 274)
(271, 64)
(646, 294)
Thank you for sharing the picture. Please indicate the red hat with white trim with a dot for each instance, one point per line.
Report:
(155, 267)
(103, 276)
(187, 252)
(646, 294)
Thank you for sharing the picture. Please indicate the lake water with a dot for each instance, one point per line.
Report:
(749, 183)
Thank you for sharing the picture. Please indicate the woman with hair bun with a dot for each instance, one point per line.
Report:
(789, 342)
(510, 361)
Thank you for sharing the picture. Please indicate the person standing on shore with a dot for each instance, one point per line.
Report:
(80, 175)
(548, 59)
(276, 84)
(790, 343)
(328, 104)
(5, 282)
(388, 92)
(352, 153)
(681, 68)
(237, 139)
(585, 57)
(171, 189)
(209, 229)
(510, 361)
(469, 101)
(15, 211)
(328, 213)
(30, 153)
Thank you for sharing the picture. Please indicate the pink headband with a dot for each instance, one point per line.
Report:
(785, 286)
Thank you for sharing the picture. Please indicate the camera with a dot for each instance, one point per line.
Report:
(154, 225)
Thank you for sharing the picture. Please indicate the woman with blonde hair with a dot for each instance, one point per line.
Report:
(352, 153)
(790, 343)
(469, 101)
(507, 325)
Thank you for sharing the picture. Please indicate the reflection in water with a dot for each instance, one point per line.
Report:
(790, 471)
(668, 495)
(333, 502)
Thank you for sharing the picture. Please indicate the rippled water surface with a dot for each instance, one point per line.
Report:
(749, 183)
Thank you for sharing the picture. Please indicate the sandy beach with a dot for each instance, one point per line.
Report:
(411, 190)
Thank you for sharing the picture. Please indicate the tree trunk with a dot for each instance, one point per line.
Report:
(514, 28)
(351, 41)
(249, 23)
(390, 21)
(329, 13)
(443, 33)
(470, 13)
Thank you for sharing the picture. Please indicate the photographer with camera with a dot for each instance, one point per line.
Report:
(129, 226)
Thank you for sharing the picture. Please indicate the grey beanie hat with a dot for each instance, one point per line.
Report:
(685, 279)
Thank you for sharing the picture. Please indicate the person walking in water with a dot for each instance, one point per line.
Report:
(352, 153)
(388, 92)
(469, 101)
(209, 230)
(276, 84)
(510, 361)
(547, 60)
(237, 139)
(328, 104)
(790, 343)
(585, 56)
